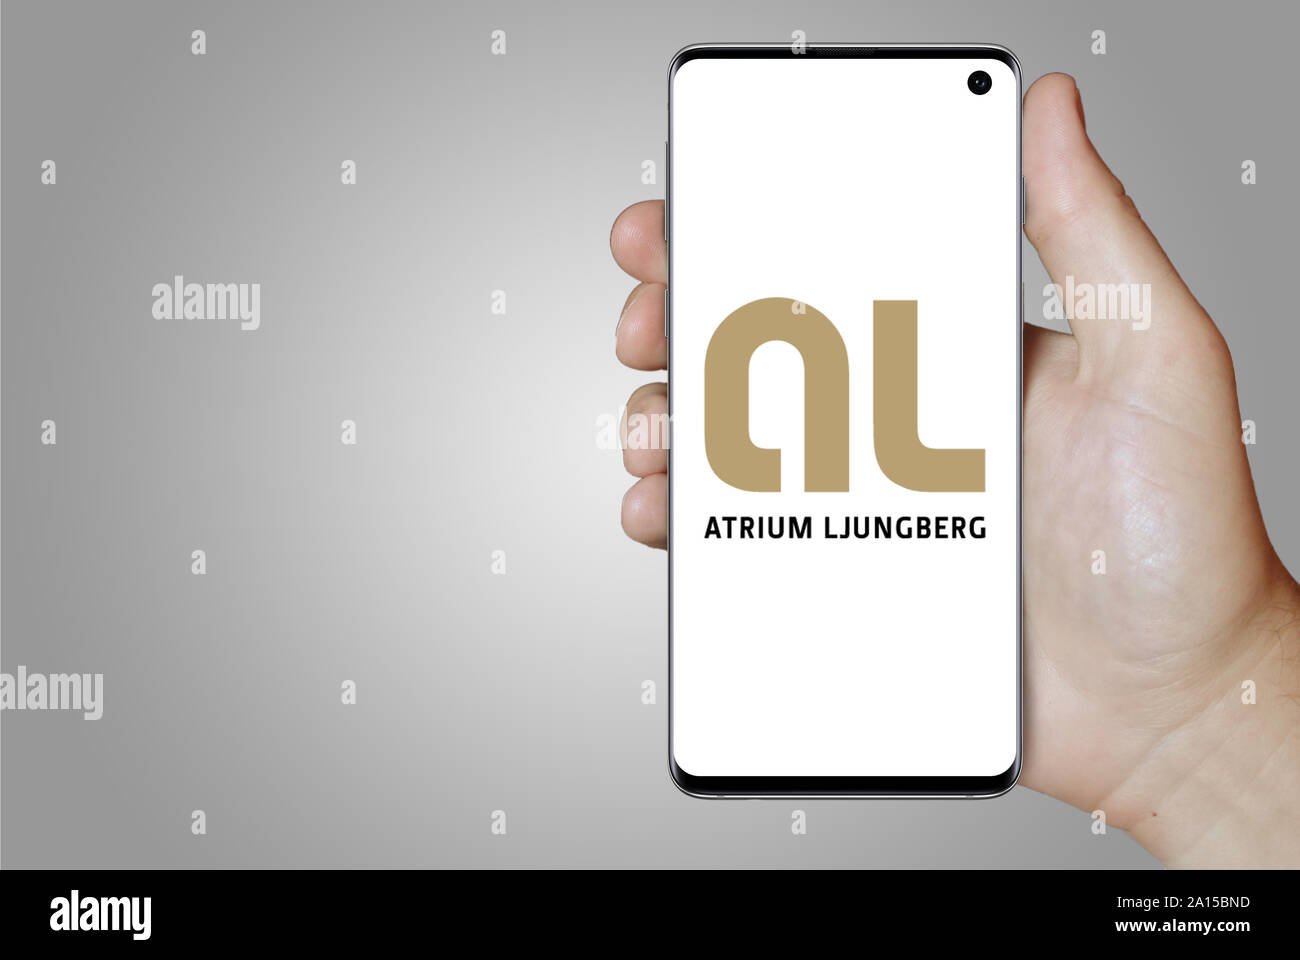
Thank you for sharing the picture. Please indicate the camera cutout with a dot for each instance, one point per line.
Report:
(979, 83)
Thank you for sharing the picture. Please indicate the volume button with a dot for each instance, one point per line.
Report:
(1022, 201)
(668, 180)
(668, 325)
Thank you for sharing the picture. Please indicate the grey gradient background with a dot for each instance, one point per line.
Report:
(476, 432)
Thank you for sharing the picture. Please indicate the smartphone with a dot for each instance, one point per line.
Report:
(843, 319)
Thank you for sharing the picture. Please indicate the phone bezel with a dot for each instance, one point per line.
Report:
(839, 786)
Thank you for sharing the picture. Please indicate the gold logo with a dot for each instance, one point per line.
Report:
(902, 457)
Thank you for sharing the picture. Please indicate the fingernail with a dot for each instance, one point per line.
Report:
(636, 294)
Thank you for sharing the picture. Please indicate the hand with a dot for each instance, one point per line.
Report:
(1132, 446)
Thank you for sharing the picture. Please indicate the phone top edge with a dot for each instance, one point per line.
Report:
(695, 51)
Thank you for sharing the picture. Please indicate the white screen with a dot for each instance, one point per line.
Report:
(839, 182)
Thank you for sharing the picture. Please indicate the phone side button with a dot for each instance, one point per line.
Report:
(668, 326)
(665, 198)
(1022, 201)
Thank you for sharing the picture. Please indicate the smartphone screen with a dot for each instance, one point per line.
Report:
(844, 379)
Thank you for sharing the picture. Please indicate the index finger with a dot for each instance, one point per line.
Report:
(637, 241)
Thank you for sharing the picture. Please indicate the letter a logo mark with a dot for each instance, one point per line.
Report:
(731, 453)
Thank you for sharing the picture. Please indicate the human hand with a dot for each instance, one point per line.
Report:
(1132, 445)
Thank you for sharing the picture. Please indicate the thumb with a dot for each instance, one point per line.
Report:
(1093, 241)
